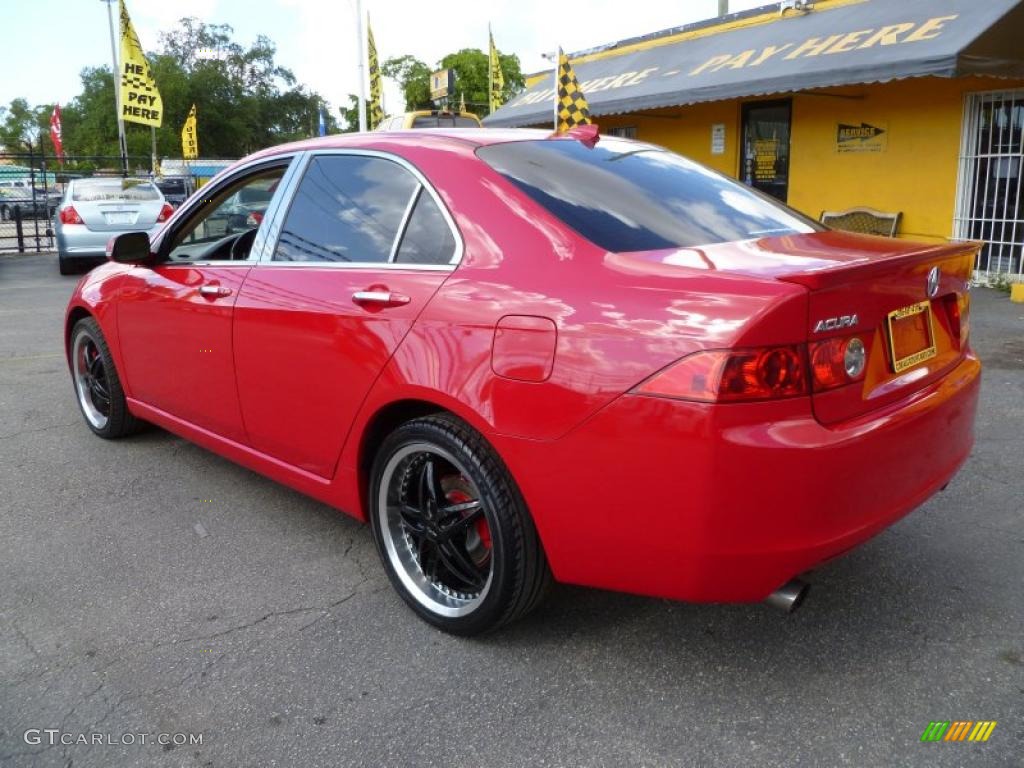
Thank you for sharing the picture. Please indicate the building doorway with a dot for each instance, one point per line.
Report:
(989, 205)
(765, 160)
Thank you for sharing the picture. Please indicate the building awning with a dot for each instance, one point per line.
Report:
(837, 42)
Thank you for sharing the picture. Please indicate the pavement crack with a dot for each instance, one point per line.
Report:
(272, 614)
(24, 638)
(324, 612)
(34, 431)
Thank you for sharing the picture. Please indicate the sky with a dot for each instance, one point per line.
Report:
(316, 39)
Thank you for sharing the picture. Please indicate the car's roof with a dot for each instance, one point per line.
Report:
(415, 136)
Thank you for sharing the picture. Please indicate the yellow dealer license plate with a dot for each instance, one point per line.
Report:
(911, 336)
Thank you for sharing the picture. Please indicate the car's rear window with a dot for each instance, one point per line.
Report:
(444, 121)
(626, 196)
(95, 191)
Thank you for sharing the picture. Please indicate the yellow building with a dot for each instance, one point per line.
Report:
(908, 106)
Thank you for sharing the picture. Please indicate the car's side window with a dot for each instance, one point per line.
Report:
(347, 208)
(225, 226)
(427, 238)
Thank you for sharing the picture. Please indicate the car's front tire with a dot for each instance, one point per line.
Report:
(97, 386)
(452, 529)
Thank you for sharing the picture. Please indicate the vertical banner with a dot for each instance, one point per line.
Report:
(496, 79)
(56, 135)
(376, 108)
(189, 137)
(140, 99)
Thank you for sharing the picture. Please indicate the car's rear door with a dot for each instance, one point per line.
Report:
(175, 319)
(364, 245)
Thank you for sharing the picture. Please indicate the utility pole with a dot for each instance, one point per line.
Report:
(122, 143)
(362, 65)
(723, 7)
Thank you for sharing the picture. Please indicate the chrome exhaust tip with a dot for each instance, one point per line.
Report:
(789, 596)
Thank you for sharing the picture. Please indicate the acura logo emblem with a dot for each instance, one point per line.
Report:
(932, 286)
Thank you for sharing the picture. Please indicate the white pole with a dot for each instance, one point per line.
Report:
(554, 82)
(117, 90)
(362, 65)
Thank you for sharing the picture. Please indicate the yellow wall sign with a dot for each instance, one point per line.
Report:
(862, 137)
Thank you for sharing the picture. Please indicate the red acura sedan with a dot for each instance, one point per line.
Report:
(523, 357)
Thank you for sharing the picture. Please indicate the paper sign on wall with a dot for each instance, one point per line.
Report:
(718, 139)
(865, 137)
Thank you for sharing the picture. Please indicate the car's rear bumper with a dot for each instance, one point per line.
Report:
(78, 241)
(726, 503)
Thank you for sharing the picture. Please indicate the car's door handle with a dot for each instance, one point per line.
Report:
(380, 298)
(214, 291)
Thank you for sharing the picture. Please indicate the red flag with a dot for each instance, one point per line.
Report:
(55, 137)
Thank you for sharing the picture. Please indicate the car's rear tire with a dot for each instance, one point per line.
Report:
(452, 529)
(65, 266)
(97, 385)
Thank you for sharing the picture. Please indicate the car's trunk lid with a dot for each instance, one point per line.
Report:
(877, 288)
(117, 215)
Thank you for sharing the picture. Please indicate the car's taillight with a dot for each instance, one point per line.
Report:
(732, 375)
(959, 308)
(253, 219)
(165, 213)
(69, 215)
(837, 362)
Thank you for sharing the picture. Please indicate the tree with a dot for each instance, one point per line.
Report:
(413, 77)
(245, 101)
(350, 114)
(22, 125)
(471, 67)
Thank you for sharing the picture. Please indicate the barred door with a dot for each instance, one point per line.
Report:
(989, 205)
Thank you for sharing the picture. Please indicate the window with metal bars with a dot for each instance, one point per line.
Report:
(989, 203)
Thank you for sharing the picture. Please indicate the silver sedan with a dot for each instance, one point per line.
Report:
(95, 210)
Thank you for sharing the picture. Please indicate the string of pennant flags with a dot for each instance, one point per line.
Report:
(139, 100)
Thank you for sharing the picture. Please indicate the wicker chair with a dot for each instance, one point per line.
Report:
(866, 221)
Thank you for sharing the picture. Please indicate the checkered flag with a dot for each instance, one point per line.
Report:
(572, 104)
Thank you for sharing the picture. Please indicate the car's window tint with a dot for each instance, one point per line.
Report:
(230, 214)
(96, 191)
(347, 208)
(444, 121)
(427, 239)
(627, 196)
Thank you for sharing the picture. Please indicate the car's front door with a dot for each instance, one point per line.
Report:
(363, 247)
(175, 319)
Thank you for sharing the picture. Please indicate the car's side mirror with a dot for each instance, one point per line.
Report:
(130, 248)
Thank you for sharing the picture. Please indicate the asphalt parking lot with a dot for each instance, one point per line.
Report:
(277, 637)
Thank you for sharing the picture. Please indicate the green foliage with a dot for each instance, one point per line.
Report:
(21, 126)
(471, 78)
(244, 101)
(350, 114)
(413, 78)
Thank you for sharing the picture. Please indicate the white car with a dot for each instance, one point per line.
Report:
(95, 210)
